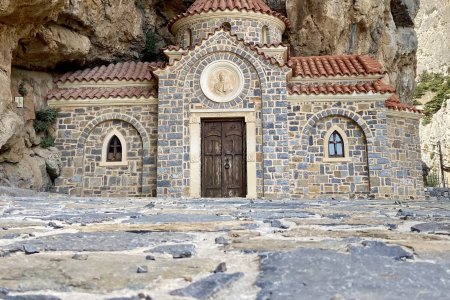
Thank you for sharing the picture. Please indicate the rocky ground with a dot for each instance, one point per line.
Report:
(56, 247)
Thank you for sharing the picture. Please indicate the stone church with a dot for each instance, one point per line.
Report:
(233, 114)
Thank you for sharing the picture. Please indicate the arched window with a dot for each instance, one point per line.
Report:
(265, 35)
(336, 145)
(114, 150)
(226, 26)
(187, 38)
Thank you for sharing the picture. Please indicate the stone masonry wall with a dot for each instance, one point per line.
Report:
(405, 156)
(248, 30)
(308, 120)
(350, 177)
(111, 181)
(79, 131)
(180, 92)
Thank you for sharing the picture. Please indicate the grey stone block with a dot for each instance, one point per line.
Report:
(375, 248)
(311, 274)
(177, 251)
(441, 228)
(206, 287)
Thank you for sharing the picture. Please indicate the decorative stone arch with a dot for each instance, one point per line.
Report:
(337, 112)
(114, 116)
(243, 52)
(146, 172)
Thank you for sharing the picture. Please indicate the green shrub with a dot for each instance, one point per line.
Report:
(40, 126)
(151, 53)
(47, 141)
(438, 84)
(432, 180)
(43, 122)
(22, 89)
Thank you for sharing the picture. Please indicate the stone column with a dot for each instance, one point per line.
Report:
(275, 137)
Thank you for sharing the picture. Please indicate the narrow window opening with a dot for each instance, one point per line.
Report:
(336, 145)
(187, 38)
(226, 26)
(114, 150)
(265, 35)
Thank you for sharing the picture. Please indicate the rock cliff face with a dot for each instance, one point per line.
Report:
(56, 35)
(433, 27)
(381, 28)
(22, 162)
(438, 131)
(433, 31)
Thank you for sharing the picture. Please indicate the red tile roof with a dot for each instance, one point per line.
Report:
(341, 89)
(338, 65)
(101, 92)
(200, 6)
(135, 71)
(394, 103)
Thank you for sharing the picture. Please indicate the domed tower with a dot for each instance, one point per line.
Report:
(251, 20)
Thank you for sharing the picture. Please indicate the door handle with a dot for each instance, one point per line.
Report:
(227, 164)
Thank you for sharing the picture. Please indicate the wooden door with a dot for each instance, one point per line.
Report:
(223, 158)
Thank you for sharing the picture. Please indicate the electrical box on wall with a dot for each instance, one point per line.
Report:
(19, 102)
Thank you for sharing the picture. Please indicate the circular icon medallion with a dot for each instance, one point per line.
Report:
(222, 81)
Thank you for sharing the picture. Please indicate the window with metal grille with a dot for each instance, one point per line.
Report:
(336, 145)
(114, 150)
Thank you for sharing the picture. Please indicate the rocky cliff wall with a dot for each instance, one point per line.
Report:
(438, 131)
(57, 35)
(433, 31)
(381, 28)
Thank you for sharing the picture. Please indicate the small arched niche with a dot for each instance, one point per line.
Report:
(114, 150)
(187, 38)
(265, 35)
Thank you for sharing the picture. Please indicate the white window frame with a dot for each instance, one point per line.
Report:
(326, 156)
(106, 140)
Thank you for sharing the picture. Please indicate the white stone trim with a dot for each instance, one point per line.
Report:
(105, 84)
(101, 102)
(335, 79)
(403, 114)
(232, 14)
(326, 156)
(124, 162)
(174, 55)
(330, 98)
(280, 53)
(196, 140)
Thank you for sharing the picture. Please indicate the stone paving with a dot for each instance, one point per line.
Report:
(58, 247)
